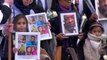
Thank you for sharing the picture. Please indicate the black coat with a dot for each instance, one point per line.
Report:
(6, 11)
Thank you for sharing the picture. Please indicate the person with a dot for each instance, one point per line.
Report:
(42, 30)
(34, 50)
(69, 24)
(102, 9)
(45, 4)
(41, 21)
(21, 50)
(32, 42)
(63, 6)
(20, 25)
(34, 28)
(25, 7)
(93, 42)
(28, 50)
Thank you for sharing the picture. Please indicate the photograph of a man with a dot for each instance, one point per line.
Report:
(102, 8)
(69, 24)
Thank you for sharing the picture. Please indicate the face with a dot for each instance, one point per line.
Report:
(40, 29)
(41, 18)
(21, 25)
(29, 49)
(65, 3)
(33, 38)
(27, 2)
(103, 7)
(96, 31)
(77, 2)
(69, 20)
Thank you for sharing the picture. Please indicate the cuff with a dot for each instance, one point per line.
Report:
(1, 16)
(6, 4)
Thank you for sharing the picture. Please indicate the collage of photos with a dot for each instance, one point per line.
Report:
(37, 23)
(28, 45)
(69, 24)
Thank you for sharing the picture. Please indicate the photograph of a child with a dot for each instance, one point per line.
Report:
(101, 9)
(37, 23)
(69, 24)
(28, 44)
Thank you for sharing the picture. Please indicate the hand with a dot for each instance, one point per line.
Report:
(61, 36)
(10, 2)
(15, 50)
(43, 51)
(93, 17)
(8, 28)
(48, 24)
(81, 35)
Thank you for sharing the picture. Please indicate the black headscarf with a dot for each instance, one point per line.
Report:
(24, 9)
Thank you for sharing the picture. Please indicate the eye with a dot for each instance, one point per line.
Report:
(18, 23)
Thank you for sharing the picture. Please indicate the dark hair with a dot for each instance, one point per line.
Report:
(17, 18)
(32, 36)
(96, 24)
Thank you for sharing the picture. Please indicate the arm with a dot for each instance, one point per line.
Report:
(5, 11)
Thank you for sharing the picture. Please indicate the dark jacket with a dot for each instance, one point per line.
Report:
(56, 28)
(6, 11)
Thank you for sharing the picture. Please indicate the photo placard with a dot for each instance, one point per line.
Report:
(69, 24)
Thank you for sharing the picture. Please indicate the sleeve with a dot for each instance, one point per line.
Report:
(6, 11)
(1, 16)
(36, 8)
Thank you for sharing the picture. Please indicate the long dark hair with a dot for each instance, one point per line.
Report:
(17, 18)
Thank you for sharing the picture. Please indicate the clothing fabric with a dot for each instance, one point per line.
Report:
(19, 8)
(5, 11)
(56, 28)
(91, 47)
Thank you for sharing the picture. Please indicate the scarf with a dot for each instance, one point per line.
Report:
(91, 47)
(24, 9)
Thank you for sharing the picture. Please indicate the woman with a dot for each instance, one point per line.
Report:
(25, 7)
(63, 6)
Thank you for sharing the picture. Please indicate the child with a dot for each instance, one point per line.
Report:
(28, 50)
(21, 50)
(34, 50)
(20, 25)
(93, 42)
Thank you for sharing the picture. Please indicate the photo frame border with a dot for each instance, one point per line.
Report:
(50, 34)
(28, 57)
(62, 23)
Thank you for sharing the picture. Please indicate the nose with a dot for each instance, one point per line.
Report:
(97, 34)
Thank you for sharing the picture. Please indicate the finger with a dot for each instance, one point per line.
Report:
(65, 37)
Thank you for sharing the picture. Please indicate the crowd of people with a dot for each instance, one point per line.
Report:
(89, 46)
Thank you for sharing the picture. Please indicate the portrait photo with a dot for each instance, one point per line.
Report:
(101, 9)
(28, 44)
(37, 23)
(69, 23)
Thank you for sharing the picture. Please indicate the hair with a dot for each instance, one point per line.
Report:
(32, 36)
(27, 48)
(17, 18)
(96, 24)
